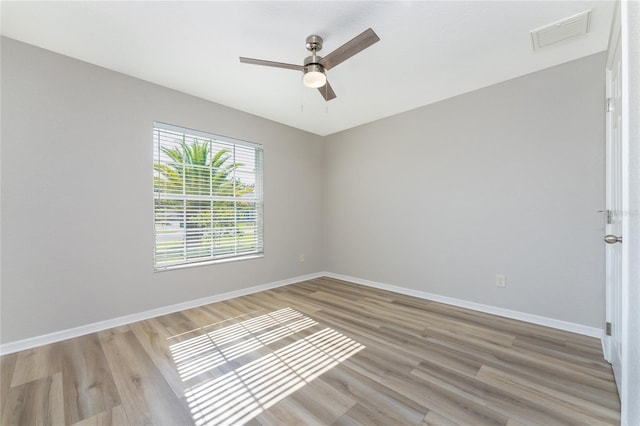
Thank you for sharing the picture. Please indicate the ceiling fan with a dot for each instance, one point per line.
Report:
(314, 66)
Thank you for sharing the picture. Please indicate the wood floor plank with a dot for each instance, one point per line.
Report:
(35, 403)
(87, 383)
(146, 396)
(34, 364)
(579, 384)
(271, 299)
(323, 401)
(372, 396)
(361, 415)
(438, 357)
(512, 405)
(380, 360)
(318, 352)
(297, 301)
(203, 316)
(444, 401)
(565, 351)
(353, 291)
(288, 412)
(521, 357)
(582, 411)
(113, 417)
(7, 367)
(154, 338)
(435, 419)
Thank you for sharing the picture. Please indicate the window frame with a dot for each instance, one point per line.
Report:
(258, 200)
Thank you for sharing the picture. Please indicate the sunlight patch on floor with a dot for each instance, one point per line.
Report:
(208, 351)
(244, 392)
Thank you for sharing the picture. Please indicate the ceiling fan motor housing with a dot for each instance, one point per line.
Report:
(310, 61)
(314, 68)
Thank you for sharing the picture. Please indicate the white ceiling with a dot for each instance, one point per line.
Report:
(428, 51)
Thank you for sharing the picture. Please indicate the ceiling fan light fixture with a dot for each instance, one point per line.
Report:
(314, 77)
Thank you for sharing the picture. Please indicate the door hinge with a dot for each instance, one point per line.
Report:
(608, 329)
(608, 215)
(609, 106)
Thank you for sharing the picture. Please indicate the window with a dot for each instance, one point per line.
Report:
(207, 197)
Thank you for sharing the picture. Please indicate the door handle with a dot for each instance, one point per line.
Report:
(612, 239)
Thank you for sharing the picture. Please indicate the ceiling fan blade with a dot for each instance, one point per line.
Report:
(327, 92)
(350, 48)
(271, 64)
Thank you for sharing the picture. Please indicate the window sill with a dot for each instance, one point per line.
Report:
(208, 262)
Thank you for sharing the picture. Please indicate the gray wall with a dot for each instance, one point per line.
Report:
(506, 179)
(77, 206)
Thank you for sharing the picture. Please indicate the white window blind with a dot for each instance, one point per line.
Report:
(208, 198)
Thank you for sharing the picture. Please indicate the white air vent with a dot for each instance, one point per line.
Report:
(565, 29)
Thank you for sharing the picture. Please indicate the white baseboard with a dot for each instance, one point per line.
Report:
(521, 316)
(58, 336)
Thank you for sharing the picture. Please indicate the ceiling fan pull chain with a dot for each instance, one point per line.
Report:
(326, 98)
(326, 102)
(302, 93)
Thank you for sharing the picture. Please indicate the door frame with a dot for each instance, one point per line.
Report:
(630, 395)
(627, 22)
(615, 273)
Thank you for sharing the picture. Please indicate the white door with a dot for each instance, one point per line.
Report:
(615, 176)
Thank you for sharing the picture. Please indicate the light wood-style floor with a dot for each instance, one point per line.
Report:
(319, 352)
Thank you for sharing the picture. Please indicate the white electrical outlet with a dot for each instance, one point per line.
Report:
(501, 280)
(301, 258)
